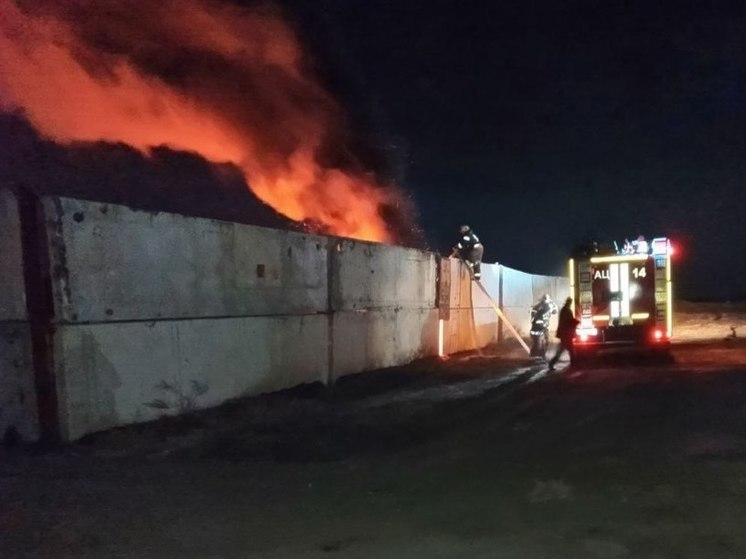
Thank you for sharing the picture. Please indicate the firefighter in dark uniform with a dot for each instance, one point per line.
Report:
(565, 332)
(541, 314)
(470, 250)
(545, 307)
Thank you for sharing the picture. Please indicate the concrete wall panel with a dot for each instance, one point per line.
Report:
(374, 276)
(160, 313)
(119, 373)
(491, 280)
(541, 285)
(473, 322)
(17, 392)
(470, 329)
(382, 338)
(518, 298)
(12, 291)
(115, 263)
(561, 290)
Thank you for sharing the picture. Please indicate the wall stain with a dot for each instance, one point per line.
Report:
(101, 382)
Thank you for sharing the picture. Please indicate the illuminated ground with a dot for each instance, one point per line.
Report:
(476, 457)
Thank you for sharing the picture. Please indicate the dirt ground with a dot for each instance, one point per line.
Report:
(478, 456)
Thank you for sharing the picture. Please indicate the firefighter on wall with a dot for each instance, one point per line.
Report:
(470, 250)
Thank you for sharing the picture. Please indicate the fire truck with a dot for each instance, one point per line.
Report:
(623, 296)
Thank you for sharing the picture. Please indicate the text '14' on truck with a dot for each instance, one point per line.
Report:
(623, 296)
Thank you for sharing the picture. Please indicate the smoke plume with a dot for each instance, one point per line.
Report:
(230, 84)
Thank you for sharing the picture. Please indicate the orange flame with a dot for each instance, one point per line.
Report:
(195, 75)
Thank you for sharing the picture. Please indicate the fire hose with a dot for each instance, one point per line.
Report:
(498, 310)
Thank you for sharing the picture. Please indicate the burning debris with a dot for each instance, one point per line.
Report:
(230, 84)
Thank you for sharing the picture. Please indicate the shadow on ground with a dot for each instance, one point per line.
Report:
(463, 458)
(364, 414)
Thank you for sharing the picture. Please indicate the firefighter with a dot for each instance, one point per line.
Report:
(545, 306)
(565, 332)
(470, 250)
(640, 245)
(541, 314)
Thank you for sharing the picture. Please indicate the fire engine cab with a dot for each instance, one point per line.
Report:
(623, 296)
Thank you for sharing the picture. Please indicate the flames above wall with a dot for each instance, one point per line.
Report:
(230, 84)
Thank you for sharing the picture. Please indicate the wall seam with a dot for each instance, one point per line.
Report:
(40, 308)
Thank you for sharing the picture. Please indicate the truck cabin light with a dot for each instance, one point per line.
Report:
(659, 246)
(662, 247)
(619, 258)
(571, 270)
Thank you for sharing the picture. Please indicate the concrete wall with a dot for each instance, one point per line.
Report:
(160, 313)
(17, 394)
(473, 321)
(518, 298)
(120, 264)
(12, 294)
(151, 306)
(383, 304)
(118, 373)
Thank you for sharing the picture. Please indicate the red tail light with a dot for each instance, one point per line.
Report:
(658, 335)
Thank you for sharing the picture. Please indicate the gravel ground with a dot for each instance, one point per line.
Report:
(478, 456)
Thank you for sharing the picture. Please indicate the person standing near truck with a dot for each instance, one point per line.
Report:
(565, 332)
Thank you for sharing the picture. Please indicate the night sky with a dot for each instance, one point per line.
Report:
(542, 125)
(546, 124)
